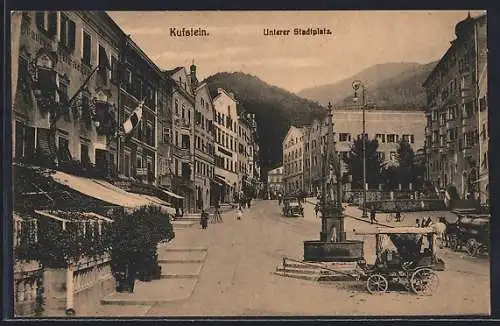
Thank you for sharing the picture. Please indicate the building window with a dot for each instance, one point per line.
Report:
(391, 138)
(166, 135)
(185, 142)
(47, 22)
(114, 69)
(87, 48)
(67, 32)
(126, 164)
(84, 154)
(103, 65)
(343, 137)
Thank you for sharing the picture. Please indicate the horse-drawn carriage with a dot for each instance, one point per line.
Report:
(471, 233)
(292, 207)
(405, 256)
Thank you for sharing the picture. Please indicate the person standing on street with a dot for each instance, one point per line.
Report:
(279, 199)
(204, 219)
(417, 223)
(239, 214)
(372, 215)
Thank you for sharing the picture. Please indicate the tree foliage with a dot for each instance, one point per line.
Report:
(373, 162)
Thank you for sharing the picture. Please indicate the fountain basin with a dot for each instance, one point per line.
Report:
(349, 250)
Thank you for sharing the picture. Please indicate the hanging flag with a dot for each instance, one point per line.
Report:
(133, 120)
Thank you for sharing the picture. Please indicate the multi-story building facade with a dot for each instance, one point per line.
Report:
(140, 81)
(315, 135)
(226, 145)
(164, 134)
(245, 150)
(483, 181)
(293, 153)
(204, 145)
(65, 63)
(388, 126)
(182, 96)
(275, 181)
(456, 109)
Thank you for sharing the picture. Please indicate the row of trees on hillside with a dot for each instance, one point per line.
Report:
(409, 167)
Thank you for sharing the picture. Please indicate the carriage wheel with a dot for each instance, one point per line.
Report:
(472, 247)
(376, 283)
(424, 281)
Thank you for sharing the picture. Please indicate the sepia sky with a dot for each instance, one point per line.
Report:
(236, 41)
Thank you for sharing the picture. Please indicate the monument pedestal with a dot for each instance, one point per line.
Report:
(332, 245)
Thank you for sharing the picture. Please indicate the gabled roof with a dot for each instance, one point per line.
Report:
(172, 71)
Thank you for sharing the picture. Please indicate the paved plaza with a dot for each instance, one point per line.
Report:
(236, 278)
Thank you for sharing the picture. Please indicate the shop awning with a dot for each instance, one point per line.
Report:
(101, 190)
(221, 180)
(217, 182)
(171, 194)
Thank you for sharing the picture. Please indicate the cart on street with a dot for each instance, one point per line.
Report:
(292, 207)
(405, 256)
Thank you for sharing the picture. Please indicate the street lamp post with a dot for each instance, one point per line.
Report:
(355, 85)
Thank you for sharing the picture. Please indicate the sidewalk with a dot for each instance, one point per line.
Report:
(182, 261)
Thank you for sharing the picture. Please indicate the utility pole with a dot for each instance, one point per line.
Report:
(355, 85)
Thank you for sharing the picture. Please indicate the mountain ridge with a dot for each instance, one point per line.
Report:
(394, 85)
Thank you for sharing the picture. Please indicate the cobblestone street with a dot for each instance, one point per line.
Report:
(237, 280)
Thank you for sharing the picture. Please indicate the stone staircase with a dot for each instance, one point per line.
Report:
(318, 271)
(181, 269)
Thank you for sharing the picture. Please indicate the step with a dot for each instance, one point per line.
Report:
(154, 292)
(183, 224)
(185, 249)
(178, 270)
(182, 257)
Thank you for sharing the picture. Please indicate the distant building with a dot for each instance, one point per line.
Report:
(248, 176)
(293, 150)
(204, 144)
(182, 98)
(275, 180)
(457, 115)
(226, 145)
(388, 126)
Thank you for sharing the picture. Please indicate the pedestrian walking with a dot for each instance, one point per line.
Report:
(249, 201)
(372, 215)
(417, 223)
(204, 219)
(279, 199)
(316, 209)
(398, 215)
(239, 214)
